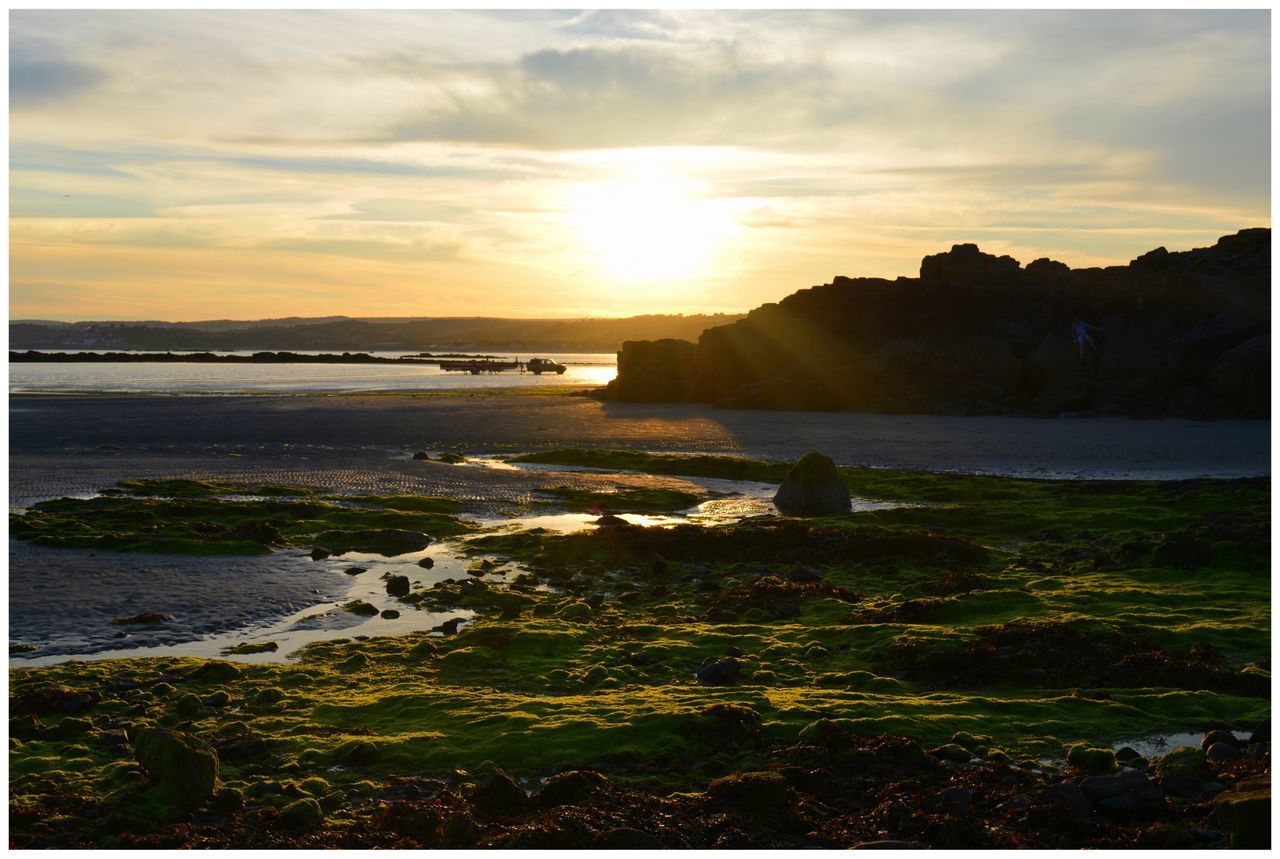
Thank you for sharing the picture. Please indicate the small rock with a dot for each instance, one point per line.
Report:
(1218, 736)
(426, 563)
(421, 454)
(305, 814)
(1127, 754)
(450, 627)
(1222, 752)
(569, 788)
(390, 614)
(610, 521)
(719, 672)
(951, 752)
(497, 795)
(398, 586)
(355, 571)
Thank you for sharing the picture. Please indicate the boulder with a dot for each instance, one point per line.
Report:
(813, 487)
(1092, 760)
(1222, 752)
(498, 795)
(753, 793)
(398, 586)
(1245, 814)
(569, 788)
(305, 814)
(1184, 772)
(179, 761)
(1218, 736)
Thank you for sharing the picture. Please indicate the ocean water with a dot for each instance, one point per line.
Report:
(593, 369)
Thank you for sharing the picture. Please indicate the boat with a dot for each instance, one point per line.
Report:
(538, 366)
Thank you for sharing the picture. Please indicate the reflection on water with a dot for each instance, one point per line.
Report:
(729, 501)
(593, 369)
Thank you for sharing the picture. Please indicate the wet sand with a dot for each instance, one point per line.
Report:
(325, 432)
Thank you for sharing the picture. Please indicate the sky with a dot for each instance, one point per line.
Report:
(188, 165)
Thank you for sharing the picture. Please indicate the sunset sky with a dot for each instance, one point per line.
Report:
(248, 164)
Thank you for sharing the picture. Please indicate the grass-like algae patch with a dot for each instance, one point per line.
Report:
(211, 518)
(776, 682)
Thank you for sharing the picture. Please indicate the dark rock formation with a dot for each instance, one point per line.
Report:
(655, 371)
(1182, 334)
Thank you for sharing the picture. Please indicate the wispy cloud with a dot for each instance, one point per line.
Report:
(321, 162)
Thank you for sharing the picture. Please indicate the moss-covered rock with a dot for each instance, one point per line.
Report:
(303, 814)
(1245, 814)
(813, 487)
(183, 763)
(1097, 761)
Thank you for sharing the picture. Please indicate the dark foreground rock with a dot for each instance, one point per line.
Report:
(184, 764)
(1184, 334)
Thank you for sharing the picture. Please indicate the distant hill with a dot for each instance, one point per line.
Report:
(351, 334)
(1177, 334)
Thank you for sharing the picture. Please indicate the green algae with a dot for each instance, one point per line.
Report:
(629, 500)
(200, 522)
(831, 620)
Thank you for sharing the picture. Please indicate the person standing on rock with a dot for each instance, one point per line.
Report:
(1080, 333)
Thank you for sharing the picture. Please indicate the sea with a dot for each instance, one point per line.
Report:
(194, 379)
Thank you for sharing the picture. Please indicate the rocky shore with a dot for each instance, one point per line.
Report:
(976, 662)
(1172, 334)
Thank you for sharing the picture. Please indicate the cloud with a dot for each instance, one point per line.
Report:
(625, 96)
(39, 82)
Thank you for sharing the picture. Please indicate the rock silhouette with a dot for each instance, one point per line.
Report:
(1182, 334)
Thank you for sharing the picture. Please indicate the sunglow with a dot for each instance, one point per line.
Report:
(650, 225)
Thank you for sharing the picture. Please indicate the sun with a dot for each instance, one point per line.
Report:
(650, 225)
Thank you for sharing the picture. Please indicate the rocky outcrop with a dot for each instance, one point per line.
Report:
(654, 371)
(1181, 334)
(813, 488)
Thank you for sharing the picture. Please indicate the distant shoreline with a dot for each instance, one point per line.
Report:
(33, 356)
